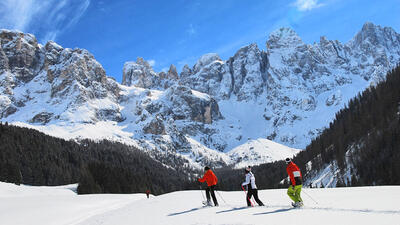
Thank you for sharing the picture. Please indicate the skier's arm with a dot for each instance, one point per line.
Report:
(247, 181)
(202, 179)
(290, 173)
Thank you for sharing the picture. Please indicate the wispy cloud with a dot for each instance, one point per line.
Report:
(306, 5)
(45, 18)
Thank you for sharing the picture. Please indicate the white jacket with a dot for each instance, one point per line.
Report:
(250, 179)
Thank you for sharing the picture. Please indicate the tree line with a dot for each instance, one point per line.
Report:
(365, 134)
(30, 157)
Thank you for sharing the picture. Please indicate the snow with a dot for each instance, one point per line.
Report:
(201, 95)
(331, 174)
(22, 205)
(259, 151)
(54, 205)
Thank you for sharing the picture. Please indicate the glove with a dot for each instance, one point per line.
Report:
(293, 187)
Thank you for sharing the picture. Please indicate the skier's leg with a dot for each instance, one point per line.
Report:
(290, 193)
(213, 195)
(208, 194)
(256, 198)
(248, 197)
(297, 190)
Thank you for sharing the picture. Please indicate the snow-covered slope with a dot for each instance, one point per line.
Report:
(214, 113)
(253, 152)
(22, 205)
(54, 205)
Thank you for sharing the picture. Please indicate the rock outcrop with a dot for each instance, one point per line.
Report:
(63, 81)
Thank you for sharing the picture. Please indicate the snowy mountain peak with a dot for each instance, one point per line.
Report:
(205, 60)
(15, 35)
(283, 38)
(377, 36)
(141, 74)
(248, 49)
(172, 72)
(138, 73)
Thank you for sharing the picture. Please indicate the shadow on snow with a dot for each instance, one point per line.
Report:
(233, 209)
(187, 211)
(275, 211)
(333, 209)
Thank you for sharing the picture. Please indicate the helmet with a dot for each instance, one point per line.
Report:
(248, 169)
(206, 168)
(287, 160)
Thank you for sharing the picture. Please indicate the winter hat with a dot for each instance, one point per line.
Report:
(206, 168)
(288, 160)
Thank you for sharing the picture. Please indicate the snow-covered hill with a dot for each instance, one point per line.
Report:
(23, 205)
(217, 112)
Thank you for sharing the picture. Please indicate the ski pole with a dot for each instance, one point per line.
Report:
(202, 195)
(310, 196)
(221, 197)
(252, 205)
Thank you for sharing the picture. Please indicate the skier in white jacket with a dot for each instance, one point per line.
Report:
(250, 182)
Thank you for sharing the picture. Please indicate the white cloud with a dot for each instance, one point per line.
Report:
(152, 62)
(45, 18)
(305, 5)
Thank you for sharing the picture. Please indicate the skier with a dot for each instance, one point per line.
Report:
(297, 183)
(251, 187)
(148, 193)
(211, 180)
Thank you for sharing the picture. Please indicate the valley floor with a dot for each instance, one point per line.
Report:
(20, 205)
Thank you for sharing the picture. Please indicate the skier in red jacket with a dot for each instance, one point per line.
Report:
(211, 180)
(297, 183)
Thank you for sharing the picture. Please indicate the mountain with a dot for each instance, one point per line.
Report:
(218, 112)
(361, 146)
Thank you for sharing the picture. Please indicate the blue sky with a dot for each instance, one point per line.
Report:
(180, 31)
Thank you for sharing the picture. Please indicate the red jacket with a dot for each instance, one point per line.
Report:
(210, 177)
(294, 173)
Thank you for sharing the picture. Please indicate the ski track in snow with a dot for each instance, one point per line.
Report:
(23, 205)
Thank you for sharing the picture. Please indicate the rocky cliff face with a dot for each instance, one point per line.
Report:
(141, 74)
(242, 77)
(286, 93)
(45, 83)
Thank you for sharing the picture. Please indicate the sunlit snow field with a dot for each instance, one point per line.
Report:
(62, 206)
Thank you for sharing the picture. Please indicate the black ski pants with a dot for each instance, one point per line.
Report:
(253, 192)
(208, 190)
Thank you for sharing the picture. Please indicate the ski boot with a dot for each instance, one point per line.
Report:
(297, 204)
